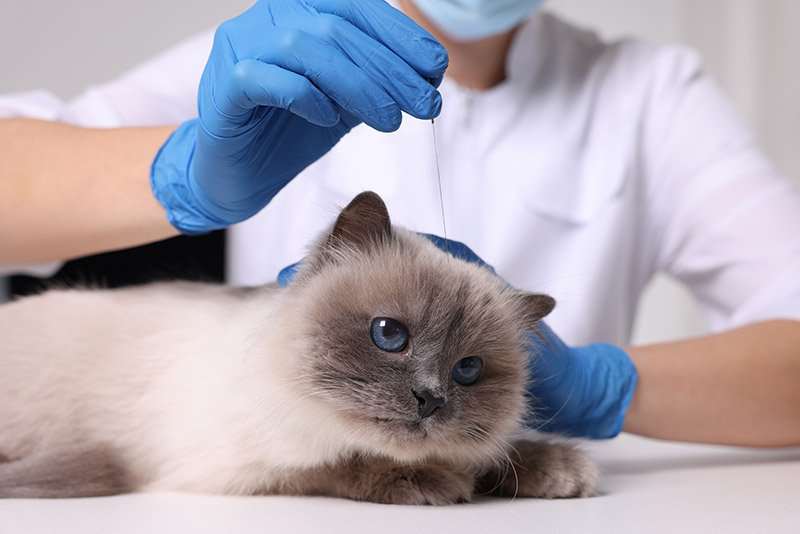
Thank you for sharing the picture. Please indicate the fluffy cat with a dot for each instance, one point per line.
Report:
(387, 371)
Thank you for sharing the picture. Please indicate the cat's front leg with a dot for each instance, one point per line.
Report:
(541, 469)
(385, 481)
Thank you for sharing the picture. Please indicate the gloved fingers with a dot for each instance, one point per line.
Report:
(414, 93)
(366, 56)
(287, 274)
(333, 73)
(393, 29)
(251, 83)
(436, 81)
(457, 249)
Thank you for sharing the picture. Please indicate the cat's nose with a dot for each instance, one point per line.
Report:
(428, 402)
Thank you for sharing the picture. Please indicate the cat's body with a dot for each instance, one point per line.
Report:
(194, 387)
(167, 392)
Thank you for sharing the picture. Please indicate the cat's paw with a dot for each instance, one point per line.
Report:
(420, 484)
(544, 470)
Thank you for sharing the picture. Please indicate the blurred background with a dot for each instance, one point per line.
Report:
(749, 46)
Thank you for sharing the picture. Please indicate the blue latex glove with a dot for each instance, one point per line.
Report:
(576, 391)
(579, 391)
(284, 82)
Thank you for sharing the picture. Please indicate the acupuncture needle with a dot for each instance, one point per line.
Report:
(439, 180)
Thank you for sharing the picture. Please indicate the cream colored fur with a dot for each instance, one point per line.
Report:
(169, 400)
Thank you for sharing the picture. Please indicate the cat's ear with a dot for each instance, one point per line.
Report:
(537, 306)
(363, 222)
(361, 225)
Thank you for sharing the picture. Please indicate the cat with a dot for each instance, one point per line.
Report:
(387, 371)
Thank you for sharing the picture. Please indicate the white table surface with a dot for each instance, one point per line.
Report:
(648, 487)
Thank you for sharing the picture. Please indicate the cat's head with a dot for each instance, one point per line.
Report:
(418, 353)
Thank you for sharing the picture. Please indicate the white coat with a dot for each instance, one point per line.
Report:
(592, 167)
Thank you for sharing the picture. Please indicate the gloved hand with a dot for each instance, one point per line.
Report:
(576, 391)
(284, 82)
(579, 391)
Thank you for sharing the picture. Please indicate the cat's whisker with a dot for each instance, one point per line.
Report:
(256, 437)
(503, 446)
(302, 379)
(482, 434)
(288, 403)
(503, 465)
(501, 468)
(501, 477)
(281, 406)
(516, 476)
(278, 415)
(553, 417)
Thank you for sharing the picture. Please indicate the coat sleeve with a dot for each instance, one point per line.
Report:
(160, 91)
(726, 222)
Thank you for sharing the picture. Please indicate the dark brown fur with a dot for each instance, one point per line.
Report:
(540, 469)
(382, 480)
(77, 472)
(533, 469)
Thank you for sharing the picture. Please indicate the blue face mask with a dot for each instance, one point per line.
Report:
(471, 20)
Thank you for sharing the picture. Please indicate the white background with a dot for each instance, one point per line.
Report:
(750, 46)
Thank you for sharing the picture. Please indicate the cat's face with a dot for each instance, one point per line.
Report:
(419, 353)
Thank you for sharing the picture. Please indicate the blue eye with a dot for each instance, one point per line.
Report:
(467, 371)
(389, 335)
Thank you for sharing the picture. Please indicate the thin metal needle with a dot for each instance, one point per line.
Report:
(439, 179)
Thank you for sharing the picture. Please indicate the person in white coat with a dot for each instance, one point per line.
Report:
(573, 166)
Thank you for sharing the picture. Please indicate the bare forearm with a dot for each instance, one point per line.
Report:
(67, 191)
(740, 387)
